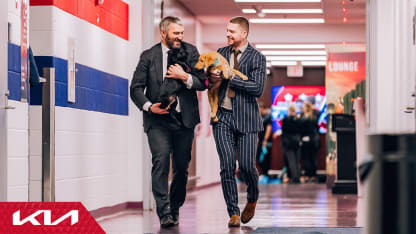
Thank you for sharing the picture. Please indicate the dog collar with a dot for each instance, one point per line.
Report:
(217, 61)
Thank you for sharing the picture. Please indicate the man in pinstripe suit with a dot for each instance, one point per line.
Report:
(239, 120)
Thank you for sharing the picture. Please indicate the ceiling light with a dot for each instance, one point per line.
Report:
(314, 63)
(290, 46)
(277, 0)
(283, 63)
(288, 21)
(292, 11)
(295, 58)
(249, 11)
(293, 52)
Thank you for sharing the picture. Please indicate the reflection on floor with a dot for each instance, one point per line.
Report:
(279, 205)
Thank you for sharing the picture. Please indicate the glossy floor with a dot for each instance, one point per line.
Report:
(303, 205)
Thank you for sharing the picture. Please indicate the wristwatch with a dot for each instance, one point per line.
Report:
(150, 109)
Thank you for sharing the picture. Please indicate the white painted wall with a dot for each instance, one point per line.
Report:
(390, 63)
(3, 90)
(17, 127)
(98, 155)
(18, 152)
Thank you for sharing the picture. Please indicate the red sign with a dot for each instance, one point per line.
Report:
(24, 36)
(343, 72)
(46, 217)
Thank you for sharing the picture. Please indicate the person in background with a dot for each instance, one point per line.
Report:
(310, 142)
(265, 144)
(291, 140)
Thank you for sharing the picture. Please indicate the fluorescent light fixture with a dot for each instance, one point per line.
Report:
(294, 63)
(314, 63)
(290, 46)
(293, 52)
(296, 58)
(288, 21)
(292, 11)
(283, 63)
(277, 0)
(249, 11)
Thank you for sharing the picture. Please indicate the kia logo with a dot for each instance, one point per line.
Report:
(47, 220)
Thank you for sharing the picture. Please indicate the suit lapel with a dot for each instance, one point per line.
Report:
(228, 53)
(159, 63)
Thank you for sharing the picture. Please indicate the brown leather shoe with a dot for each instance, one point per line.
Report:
(234, 221)
(248, 212)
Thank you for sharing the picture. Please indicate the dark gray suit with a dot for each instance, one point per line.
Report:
(165, 136)
(237, 130)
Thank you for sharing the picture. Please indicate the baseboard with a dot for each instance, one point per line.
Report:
(110, 210)
(197, 188)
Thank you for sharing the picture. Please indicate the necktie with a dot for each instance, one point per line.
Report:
(230, 92)
(236, 53)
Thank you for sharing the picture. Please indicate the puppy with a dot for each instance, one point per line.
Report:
(170, 87)
(213, 61)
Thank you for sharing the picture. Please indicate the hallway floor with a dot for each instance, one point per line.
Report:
(288, 205)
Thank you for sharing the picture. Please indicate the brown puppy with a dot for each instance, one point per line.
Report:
(216, 62)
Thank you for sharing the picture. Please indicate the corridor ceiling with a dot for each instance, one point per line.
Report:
(213, 11)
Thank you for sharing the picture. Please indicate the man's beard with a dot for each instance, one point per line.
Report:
(170, 42)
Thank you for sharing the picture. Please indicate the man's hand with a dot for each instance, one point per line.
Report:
(155, 109)
(177, 72)
(214, 76)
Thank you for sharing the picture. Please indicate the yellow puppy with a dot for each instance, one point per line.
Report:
(215, 61)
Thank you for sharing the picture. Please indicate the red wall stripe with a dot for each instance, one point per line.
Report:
(112, 15)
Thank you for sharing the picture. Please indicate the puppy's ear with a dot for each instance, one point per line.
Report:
(201, 63)
(206, 60)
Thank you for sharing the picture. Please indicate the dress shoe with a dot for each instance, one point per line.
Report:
(248, 212)
(175, 217)
(234, 221)
(167, 221)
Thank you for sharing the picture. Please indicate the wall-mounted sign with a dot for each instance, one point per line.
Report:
(343, 72)
(24, 44)
(71, 70)
(295, 71)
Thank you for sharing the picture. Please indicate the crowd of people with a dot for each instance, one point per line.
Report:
(300, 143)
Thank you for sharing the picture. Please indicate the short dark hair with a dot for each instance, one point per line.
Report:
(243, 22)
(164, 24)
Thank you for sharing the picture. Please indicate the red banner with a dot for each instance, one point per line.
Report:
(24, 45)
(46, 217)
(343, 72)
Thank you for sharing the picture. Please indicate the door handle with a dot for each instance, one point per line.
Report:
(7, 107)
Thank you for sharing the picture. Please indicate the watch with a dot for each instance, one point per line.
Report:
(150, 109)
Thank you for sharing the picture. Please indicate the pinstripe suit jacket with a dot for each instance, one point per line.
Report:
(245, 108)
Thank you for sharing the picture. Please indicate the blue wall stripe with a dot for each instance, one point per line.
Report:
(95, 90)
(14, 58)
(13, 72)
(14, 84)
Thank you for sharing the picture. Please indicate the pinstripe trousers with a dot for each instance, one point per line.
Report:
(230, 141)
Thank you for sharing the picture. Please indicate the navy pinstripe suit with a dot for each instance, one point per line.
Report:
(237, 130)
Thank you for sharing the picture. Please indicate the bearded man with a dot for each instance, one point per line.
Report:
(166, 133)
